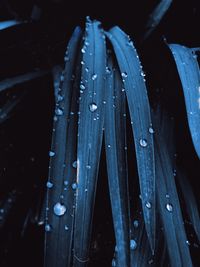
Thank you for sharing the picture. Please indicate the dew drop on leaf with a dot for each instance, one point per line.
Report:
(59, 111)
(148, 205)
(49, 184)
(143, 142)
(47, 227)
(74, 164)
(74, 186)
(92, 107)
(51, 153)
(135, 223)
(94, 77)
(151, 130)
(124, 74)
(82, 86)
(133, 244)
(114, 263)
(169, 207)
(59, 209)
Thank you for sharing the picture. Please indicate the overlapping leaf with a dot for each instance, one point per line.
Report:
(138, 104)
(188, 69)
(60, 195)
(115, 141)
(89, 136)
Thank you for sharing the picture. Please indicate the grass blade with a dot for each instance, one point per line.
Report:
(156, 16)
(60, 193)
(190, 202)
(8, 24)
(89, 137)
(115, 141)
(169, 206)
(189, 73)
(138, 104)
(13, 81)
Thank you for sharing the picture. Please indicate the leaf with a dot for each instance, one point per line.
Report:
(156, 16)
(60, 193)
(188, 69)
(13, 81)
(7, 109)
(138, 104)
(190, 201)
(117, 169)
(91, 120)
(169, 206)
(8, 24)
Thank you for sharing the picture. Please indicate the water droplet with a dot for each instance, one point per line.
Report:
(188, 242)
(123, 89)
(86, 69)
(62, 78)
(47, 227)
(94, 77)
(133, 244)
(83, 50)
(59, 111)
(143, 74)
(74, 186)
(148, 205)
(66, 182)
(59, 209)
(92, 107)
(143, 142)
(135, 223)
(109, 146)
(82, 86)
(51, 153)
(66, 228)
(74, 164)
(124, 74)
(150, 261)
(167, 195)
(108, 70)
(82, 62)
(151, 130)
(49, 184)
(169, 207)
(59, 98)
(104, 102)
(88, 167)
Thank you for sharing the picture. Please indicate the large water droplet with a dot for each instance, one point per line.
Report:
(143, 142)
(94, 77)
(59, 111)
(92, 107)
(49, 184)
(133, 244)
(51, 153)
(59, 209)
(169, 207)
(148, 205)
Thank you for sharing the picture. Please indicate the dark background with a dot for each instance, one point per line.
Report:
(39, 43)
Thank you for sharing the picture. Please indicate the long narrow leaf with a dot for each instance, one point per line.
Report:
(89, 137)
(138, 103)
(115, 141)
(13, 81)
(189, 73)
(169, 206)
(60, 195)
(156, 16)
(190, 202)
